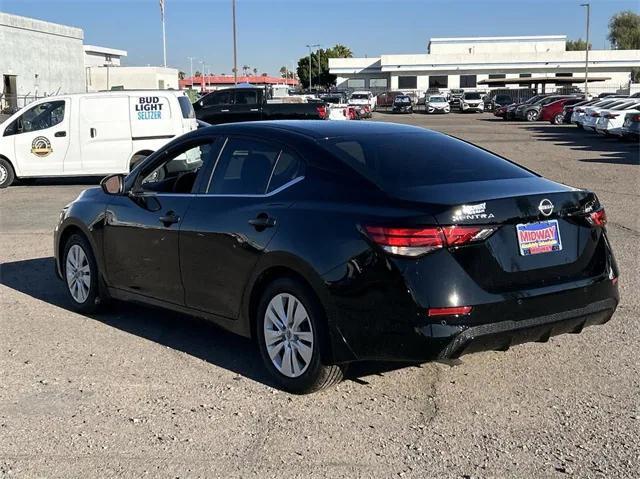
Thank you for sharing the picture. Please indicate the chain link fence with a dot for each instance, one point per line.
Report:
(10, 103)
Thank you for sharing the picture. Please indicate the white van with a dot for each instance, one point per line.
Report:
(90, 134)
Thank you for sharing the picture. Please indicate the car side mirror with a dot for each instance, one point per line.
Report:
(113, 184)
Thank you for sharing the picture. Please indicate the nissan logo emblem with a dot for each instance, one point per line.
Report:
(546, 207)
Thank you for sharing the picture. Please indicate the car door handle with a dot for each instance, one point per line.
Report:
(255, 109)
(169, 218)
(262, 221)
(92, 132)
(224, 111)
(60, 134)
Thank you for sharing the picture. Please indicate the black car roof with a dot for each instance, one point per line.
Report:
(316, 129)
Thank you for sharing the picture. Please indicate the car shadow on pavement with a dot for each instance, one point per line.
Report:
(196, 337)
(610, 149)
(71, 181)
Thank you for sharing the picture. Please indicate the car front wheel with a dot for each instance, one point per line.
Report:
(7, 175)
(81, 274)
(291, 335)
(532, 115)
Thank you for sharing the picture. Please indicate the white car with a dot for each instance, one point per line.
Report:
(580, 114)
(592, 113)
(437, 104)
(471, 101)
(363, 98)
(610, 121)
(90, 134)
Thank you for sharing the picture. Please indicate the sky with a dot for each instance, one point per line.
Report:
(273, 33)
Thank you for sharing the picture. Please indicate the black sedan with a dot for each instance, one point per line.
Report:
(334, 242)
(402, 104)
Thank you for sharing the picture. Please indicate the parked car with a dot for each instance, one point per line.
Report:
(500, 100)
(454, 97)
(363, 98)
(531, 112)
(567, 110)
(251, 104)
(437, 104)
(90, 134)
(609, 122)
(593, 112)
(386, 99)
(402, 104)
(631, 126)
(271, 244)
(471, 101)
(553, 112)
(510, 114)
(580, 113)
(501, 112)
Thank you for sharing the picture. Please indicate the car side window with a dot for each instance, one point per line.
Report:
(288, 167)
(244, 167)
(219, 98)
(246, 97)
(178, 172)
(39, 117)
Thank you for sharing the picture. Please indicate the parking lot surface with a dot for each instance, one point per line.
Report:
(136, 391)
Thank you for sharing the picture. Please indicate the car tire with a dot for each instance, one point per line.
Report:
(531, 115)
(558, 119)
(294, 354)
(78, 262)
(7, 175)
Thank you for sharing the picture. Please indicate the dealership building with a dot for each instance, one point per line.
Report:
(483, 63)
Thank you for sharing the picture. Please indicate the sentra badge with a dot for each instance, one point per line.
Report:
(472, 212)
(41, 146)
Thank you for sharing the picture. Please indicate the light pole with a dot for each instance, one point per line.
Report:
(310, 47)
(319, 64)
(235, 51)
(586, 55)
(191, 67)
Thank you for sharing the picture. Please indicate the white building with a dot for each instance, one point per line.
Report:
(487, 62)
(131, 78)
(38, 58)
(95, 56)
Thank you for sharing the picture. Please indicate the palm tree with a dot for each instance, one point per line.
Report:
(255, 72)
(283, 72)
(244, 69)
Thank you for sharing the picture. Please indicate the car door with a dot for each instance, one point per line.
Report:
(230, 226)
(141, 230)
(246, 105)
(215, 108)
(41, 138)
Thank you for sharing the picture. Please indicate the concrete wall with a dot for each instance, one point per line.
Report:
(93, 59)
(131, 78)
(45, 57)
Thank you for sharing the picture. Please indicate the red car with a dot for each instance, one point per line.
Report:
(553, 111)
(501, 111)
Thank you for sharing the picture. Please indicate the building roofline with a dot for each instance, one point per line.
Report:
(104, 50)
(498, 39)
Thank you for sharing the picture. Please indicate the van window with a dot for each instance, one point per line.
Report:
(39, 117)
(186, 107)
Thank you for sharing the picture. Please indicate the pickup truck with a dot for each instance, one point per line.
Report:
(251, 104)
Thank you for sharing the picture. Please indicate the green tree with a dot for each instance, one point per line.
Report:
(579, 44)
(181, 75)
(255, 72)
(320, 76)
(197, 74)
(624, 31)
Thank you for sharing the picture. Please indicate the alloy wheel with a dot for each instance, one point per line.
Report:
(78, 273)
(3, 174)
(288, 335)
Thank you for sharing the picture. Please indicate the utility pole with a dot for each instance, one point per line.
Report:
(235, 50)
(318, 53)
(586, 55)
(203, 76)
(310, 47)
(191, 67)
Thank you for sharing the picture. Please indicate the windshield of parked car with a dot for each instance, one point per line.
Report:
(410, 160)
(472, 96)
(437, 99)
(402, 99)
(359, 96)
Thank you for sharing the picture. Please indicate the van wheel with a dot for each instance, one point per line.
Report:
(7, 175)
(290, 329)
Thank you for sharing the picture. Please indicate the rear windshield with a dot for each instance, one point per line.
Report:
(472, 96)
(503, 98)
(186, 107)
(437, 99)
(359, 96)
(408, 160)
(403, 99)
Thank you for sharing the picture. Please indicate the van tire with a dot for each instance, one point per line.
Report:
(137, 158)
(7, 175)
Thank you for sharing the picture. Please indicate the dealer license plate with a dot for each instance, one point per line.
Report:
(540, 237)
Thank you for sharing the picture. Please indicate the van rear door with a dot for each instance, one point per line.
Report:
(189, 122)
(105, 135)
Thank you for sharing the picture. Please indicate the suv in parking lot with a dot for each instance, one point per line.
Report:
(531, 111)
(471, 101)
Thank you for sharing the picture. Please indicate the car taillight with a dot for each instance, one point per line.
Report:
(635, 117)
(451, 311)
(610, 115)
(598, 218)
(322, 111)
(419, 241)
